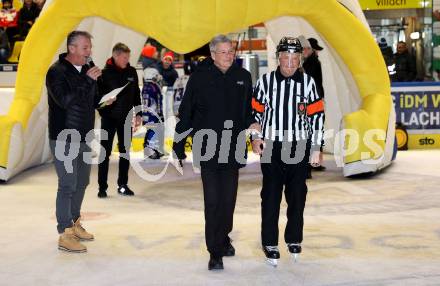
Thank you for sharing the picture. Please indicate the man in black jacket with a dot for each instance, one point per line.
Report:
(117, 73)
(405, 64)
(167, 70)
(72, 95)
(27, 16)
(217, 107)
(312, 67)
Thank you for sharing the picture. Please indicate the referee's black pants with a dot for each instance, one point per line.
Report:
(277, 175)
(220, 194)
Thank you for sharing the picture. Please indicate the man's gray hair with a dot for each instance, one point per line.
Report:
(217, 40)
(74, 35)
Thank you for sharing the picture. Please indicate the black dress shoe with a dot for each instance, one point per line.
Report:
(102, 194)
(229, 250)
(124, 190)
(215, 263)
(320, 168)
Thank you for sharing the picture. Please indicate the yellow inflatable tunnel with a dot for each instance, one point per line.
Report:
(183, 26)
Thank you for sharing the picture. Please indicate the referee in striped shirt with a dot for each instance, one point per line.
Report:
(288, 135)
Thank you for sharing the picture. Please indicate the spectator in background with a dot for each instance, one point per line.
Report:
(4, 47)
(27, 16)
(8, 15)
(405, 64)
(9, 20)
(152, 104)
(312, 67)
(386, 51)
(149, 57)
(387, 54)
(117, 73)
(180, 84)
(40, 4)
(166, 69)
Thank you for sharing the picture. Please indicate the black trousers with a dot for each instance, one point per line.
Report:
(220, 194)
(279, 175)
(113, 126)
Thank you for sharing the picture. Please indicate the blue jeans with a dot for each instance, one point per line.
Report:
(72, 182)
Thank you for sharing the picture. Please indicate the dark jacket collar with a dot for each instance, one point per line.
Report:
(208, 63)
(110, 64)
(297, 76)
(62, 59)
(313, 57)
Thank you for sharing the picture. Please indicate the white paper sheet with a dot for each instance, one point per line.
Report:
(112, 94)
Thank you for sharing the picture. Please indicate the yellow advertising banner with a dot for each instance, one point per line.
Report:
(424, 141)
(394, 4)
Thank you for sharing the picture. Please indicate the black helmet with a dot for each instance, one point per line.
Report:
(289, 44)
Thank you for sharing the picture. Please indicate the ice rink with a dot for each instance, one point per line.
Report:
(383, 230)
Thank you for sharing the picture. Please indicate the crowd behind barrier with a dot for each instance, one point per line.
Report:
(15, 23)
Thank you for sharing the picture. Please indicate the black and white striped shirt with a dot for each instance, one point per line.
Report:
(289, 109)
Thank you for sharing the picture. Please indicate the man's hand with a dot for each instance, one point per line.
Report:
(257, 143)
(137, 122)
(315, 159)
(255, 126)
(94, 73)
(258, 146)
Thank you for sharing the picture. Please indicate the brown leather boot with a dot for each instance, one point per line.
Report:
(69, 242)
(80, 232)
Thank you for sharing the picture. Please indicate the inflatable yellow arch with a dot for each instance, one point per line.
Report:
(183, 26)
